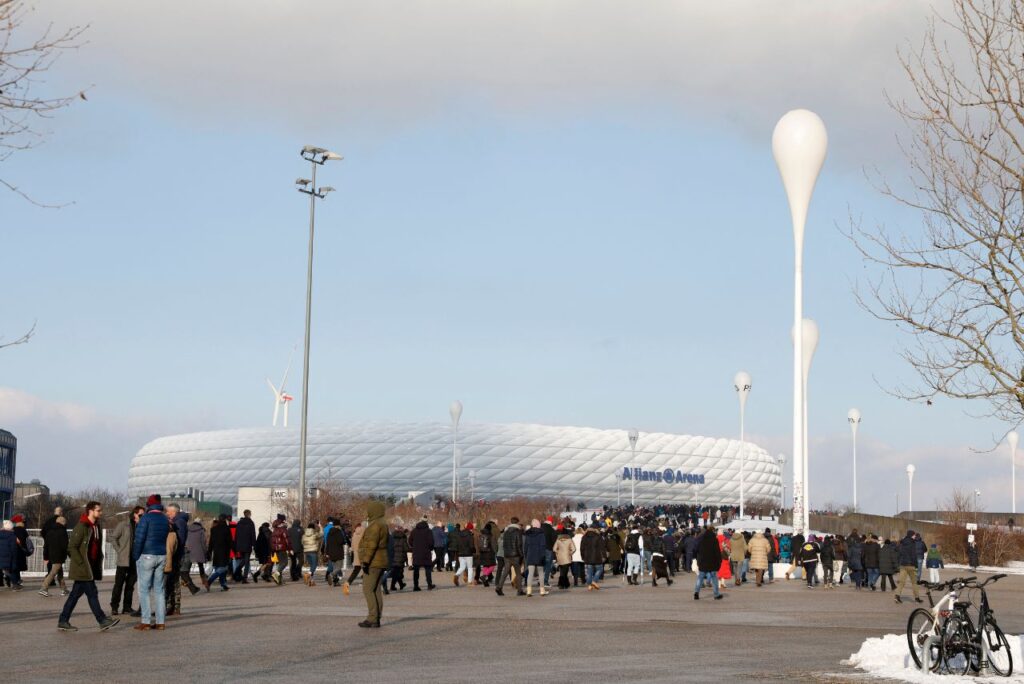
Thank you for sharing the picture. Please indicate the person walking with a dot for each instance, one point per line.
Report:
(9, 555)
(512, 553)
(122, 540)
(613, 551)
(398, 556)
(809, 554)
(334, 549)
(907, 556)
(634, 547)
(440, 545)
(888, 563)
(828, 561)
(564, 549)
(357, 540)
(86, 567)
(150, 553)
(760, 552)
(373, 552)
(218, 549)
(593, 555)
(280, 547)
(56, 545)
(973, 553)
(871, 560)
(709, 560)
(421, 542)
(262, 550)
(245, 541)
(920, 551)
(195, 549)
(486, 550)
(179, 523)
(311, 538)
(737, 554)
(295, 533)
(465, 547)
(578, 573)
(533, 551)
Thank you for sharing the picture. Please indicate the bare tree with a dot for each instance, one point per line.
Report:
(957, 285)
(24, 60)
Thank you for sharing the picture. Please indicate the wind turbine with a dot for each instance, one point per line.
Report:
(280, 396)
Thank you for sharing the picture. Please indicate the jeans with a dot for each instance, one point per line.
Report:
(241, 566)
(920, 568)
(710, 577)
(150, 569)
(632, 563)
(219, 573)
(647, 561)
(549, 564)
(593, 573)
(124, 583)
(872, 576)
(89, 589)
(311, 559)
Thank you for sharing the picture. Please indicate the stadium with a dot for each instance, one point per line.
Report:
(497, 461)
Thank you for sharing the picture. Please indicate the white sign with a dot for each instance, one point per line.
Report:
(972, 526)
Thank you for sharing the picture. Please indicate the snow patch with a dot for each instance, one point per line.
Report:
(888, 657)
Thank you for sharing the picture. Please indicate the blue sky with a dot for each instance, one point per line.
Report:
(553, 235)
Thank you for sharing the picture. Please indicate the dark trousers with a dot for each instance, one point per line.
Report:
(892, 582)
(416, 575)
(397, 576)
(124, 582)
(506, 569)
(439, 558)
(810, 571)
(563, 576)
(77, 589)
(296, 566)
(355, 573)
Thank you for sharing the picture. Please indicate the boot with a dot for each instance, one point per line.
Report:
(305, 578)
(345, 588)
(544, 592)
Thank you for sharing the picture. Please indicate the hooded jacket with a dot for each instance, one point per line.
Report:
(888, 559)
(534, 546)
(709, 553)
(334, 544)
(421, 542)
(512, 541)
(760, 549)
(57, 543)
(738, 550)
(593, 551)
(564, 548)
(196, 542)
(373, 547)
(86, 552)
(219, 546)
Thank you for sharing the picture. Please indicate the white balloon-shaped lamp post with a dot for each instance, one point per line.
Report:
(854, 419)
(455, 411)
(782, 477)
(809, 345)
(799, 145)
(742, 385)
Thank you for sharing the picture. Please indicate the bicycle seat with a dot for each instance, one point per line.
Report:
(962, 604)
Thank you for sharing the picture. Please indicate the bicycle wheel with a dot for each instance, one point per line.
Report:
(1000, 659)
(920, 627)
(957, 645)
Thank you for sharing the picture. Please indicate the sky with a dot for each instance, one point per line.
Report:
(565, 213)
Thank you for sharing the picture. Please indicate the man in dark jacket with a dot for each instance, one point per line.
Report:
(920, 550)
(56, 543)
(9, 555)
(86, 553)
(592, 550)
(690, 550)
(280, 546)
(295, 540)
(219, 552)
(907, 555)
(245, 539)
(149, 552)
(334, 549)
(871, 551)
(888, 563)
(465, 548)
(709, 560)
(550, 536)
(421, 541)
(179, 523)
(512, 550)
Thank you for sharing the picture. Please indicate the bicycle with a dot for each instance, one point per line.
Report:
(964, 645)
(928, 625)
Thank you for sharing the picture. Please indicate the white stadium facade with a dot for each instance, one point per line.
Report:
(504, 460)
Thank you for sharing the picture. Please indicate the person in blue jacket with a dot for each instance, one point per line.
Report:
(150, 555)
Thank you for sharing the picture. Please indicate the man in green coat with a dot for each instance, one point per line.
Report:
(373, 552)
(85, 551)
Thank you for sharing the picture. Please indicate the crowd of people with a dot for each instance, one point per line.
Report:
(157, 547)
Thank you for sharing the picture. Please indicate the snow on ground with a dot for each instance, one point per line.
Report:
(888, 657)
(1013, 568)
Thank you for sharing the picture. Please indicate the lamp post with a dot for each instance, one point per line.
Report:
(910, 491)
(799, 145)
(977, 505)
(782, 476)
(810, 344)
(316, 156)
(1012, 440)
(742, 385)
(854, 418)
(633, 435)
(455, 411)
(618, 489)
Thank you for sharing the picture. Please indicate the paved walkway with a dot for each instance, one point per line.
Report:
(781, 632)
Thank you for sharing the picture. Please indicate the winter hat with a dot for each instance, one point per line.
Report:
(281, 517)
(935, 546)
(535, 523)
(153, 500)
(550, 518)
(19, 518)
(469, 525)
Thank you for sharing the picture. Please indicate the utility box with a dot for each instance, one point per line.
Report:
(264, 502)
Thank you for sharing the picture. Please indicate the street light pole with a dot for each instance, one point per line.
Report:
(316, 156)
(1012, 440)
(455, 411)
(910, 491)
(742, 385)
(633, 435)
(854, 418)
(799, 145)
(782, 476)
(809, 332)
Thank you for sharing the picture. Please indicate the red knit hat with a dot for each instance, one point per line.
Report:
(19, 518)
(153, 500)
(469, 526)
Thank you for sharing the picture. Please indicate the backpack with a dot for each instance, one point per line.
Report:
(632, 543)
(30, 547)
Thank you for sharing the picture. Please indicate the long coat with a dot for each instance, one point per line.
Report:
(759, 548)
(196, 542)
(57, 544)
(219, 547)
(245, 537)
(82, 568)
(421, 541)
(709, 553)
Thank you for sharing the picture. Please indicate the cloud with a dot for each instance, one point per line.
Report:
(72, 446)
(325, 64)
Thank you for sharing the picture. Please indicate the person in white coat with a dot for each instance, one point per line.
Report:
(577, 559)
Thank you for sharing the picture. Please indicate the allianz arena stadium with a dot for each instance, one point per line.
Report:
(503, 460)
